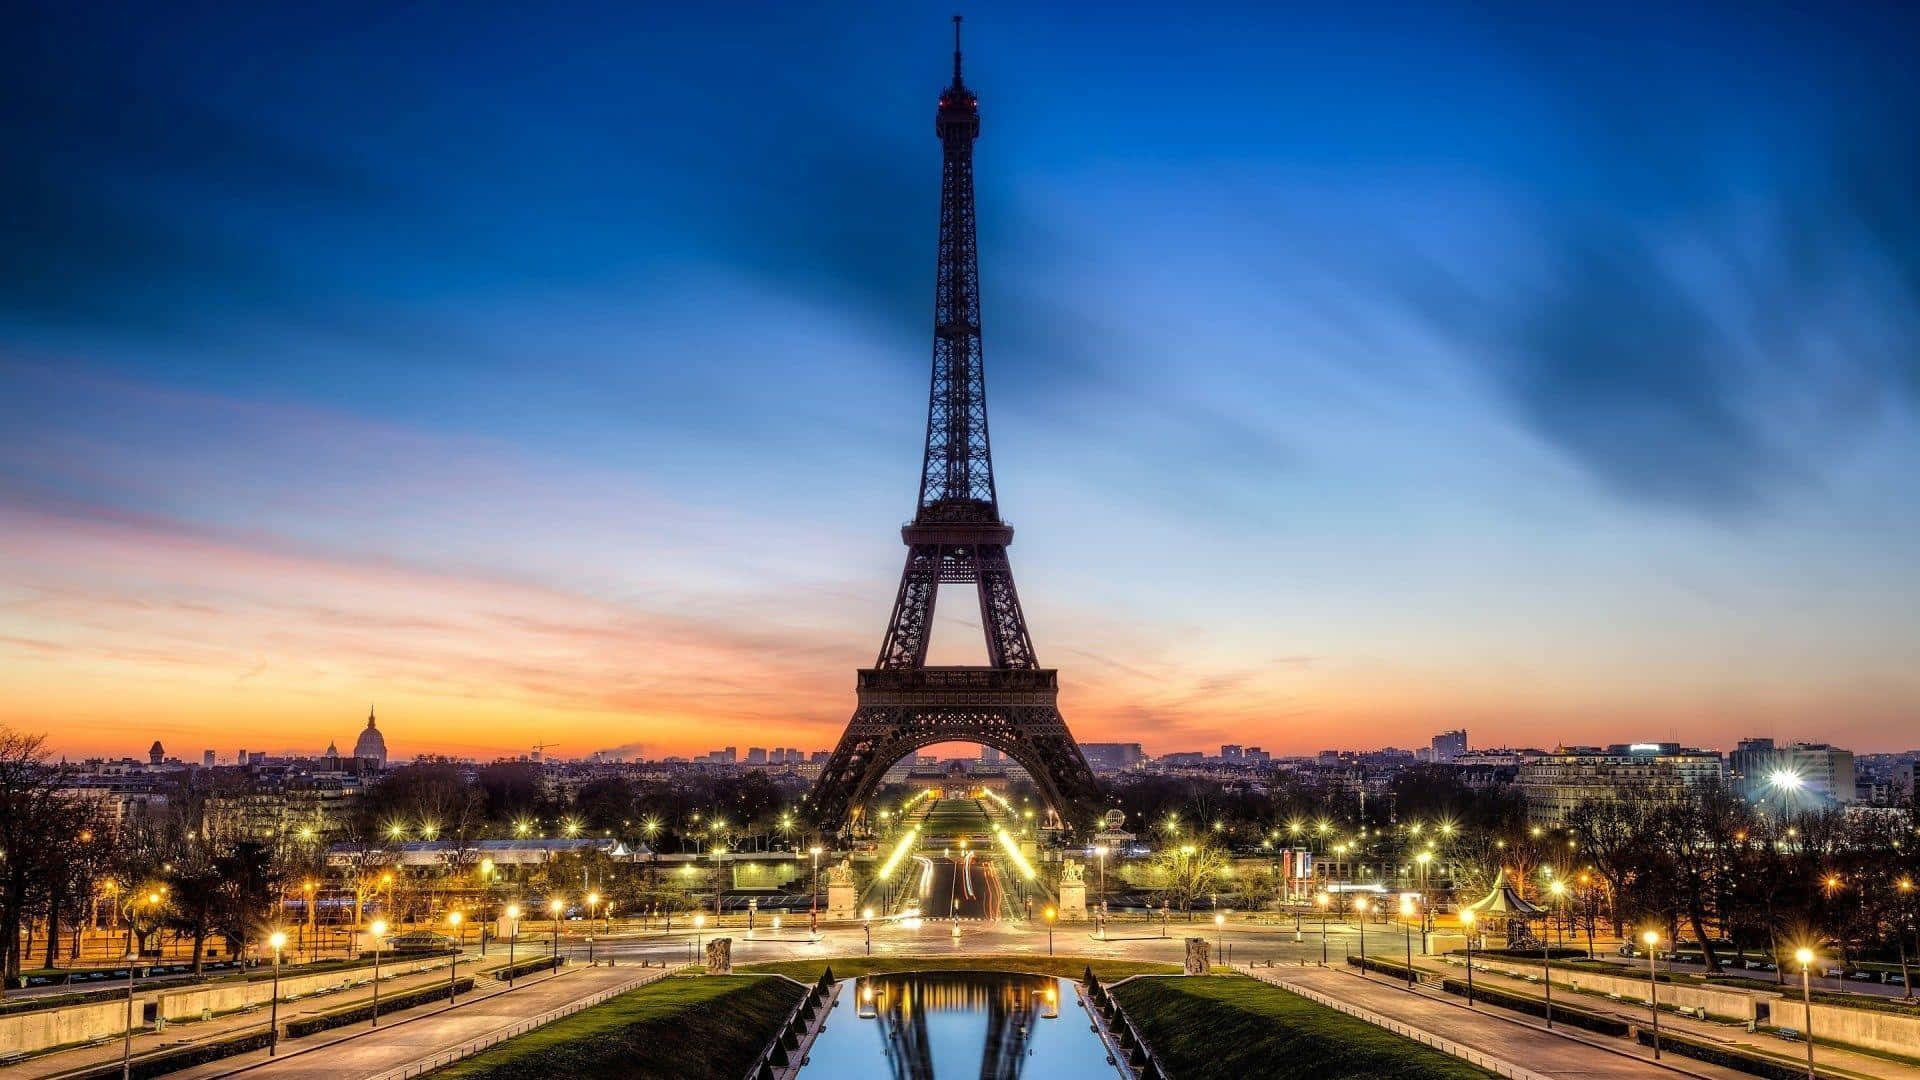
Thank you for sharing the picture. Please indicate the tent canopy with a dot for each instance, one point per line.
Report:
(1505, 900)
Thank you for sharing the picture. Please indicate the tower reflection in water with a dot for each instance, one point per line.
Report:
(991, 1025)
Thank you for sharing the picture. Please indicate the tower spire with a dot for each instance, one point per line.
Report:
(956, 51)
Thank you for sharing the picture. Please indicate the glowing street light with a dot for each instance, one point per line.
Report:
(513, 918)
(1650, 939)
(1322, 901)
(1467, 918)
(379, 931)
(1051, 915)
(278, 939)
(1805, 957)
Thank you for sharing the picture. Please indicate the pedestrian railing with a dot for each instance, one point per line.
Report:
(443, 1058)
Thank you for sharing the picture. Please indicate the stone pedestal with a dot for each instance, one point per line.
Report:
(1073, 900)
(720, 956)
(1197, 959)
(840, 900)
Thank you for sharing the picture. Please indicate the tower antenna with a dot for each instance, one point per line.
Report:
(956, 50)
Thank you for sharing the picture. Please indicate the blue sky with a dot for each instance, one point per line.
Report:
(1356, 372)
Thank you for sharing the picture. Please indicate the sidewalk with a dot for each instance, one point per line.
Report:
(179, 1034)
(1487, 1032)
(430, 1034)
(1790, 1054)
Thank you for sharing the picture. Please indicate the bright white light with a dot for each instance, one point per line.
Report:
(899, 851)
(1785, 778)
(1013, 852)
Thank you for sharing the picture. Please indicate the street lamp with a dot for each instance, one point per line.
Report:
(1406, 923)
(1051, 914)
(454, 919)
(279, 941)
(1321, 899)
(813, 897)
(126, 1044)
(378, 928)
(699, 922)
(1650, 939)
(1360, 907)
(554, 907)
(513, 918)
(1805, 956)
(1467, 919)
(1219, 928)
(866, 926)
(1100, 854)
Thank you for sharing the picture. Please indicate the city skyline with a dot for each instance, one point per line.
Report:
(587, 433)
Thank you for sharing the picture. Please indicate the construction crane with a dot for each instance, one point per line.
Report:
(540, 748)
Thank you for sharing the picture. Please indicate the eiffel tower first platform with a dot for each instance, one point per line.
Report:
(956, 538)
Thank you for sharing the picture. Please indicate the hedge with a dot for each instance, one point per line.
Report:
(167, 1061)
(522, 968)
(1384, 967)
(388, 1004)
(1713, 1054)
(1534, 954)
(1562, 1014)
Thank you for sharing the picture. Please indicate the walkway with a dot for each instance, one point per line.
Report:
(430, 1032)
(1789, 1054)
(182, 1034)
(1533, 1048)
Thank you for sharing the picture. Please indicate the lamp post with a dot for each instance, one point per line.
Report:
(1559, 889)
(126, 1045)
(1051, 914)
(554, 907)
(513, 917)
(454, 920)
(1360, 908)
(1650, 939)
(813, 896)
(1100, 856)
(1219, 927)
(279, 941)
(1467, 919)
(1406, 923)
(866, 926)
(1321, 900)
(378, 928)
(699, 942)
(1805, 956)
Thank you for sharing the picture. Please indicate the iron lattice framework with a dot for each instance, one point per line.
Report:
(956, 537)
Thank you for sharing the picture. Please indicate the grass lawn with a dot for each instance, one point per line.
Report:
(846, 967)
(1230, 1027)
(687, 1027)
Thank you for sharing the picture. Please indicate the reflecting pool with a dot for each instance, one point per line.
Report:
(959, 1024)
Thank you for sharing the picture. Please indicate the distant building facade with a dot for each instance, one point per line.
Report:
(1555, 783)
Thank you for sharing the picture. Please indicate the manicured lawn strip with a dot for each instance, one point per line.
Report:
(1072, 967)
(687, 1027)
(1230, 1027)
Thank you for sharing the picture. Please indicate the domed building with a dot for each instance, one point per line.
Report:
(371, 745)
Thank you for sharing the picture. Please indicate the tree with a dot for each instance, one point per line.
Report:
(1186, 871)
(38, 824)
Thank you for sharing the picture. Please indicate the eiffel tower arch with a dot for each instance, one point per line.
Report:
(956, 537)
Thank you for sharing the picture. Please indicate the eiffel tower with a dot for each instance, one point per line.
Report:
(956, 537)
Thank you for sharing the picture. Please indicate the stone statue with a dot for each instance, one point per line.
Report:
(840, 873)
(1073, 873)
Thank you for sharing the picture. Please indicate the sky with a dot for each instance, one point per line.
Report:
(556, 373)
